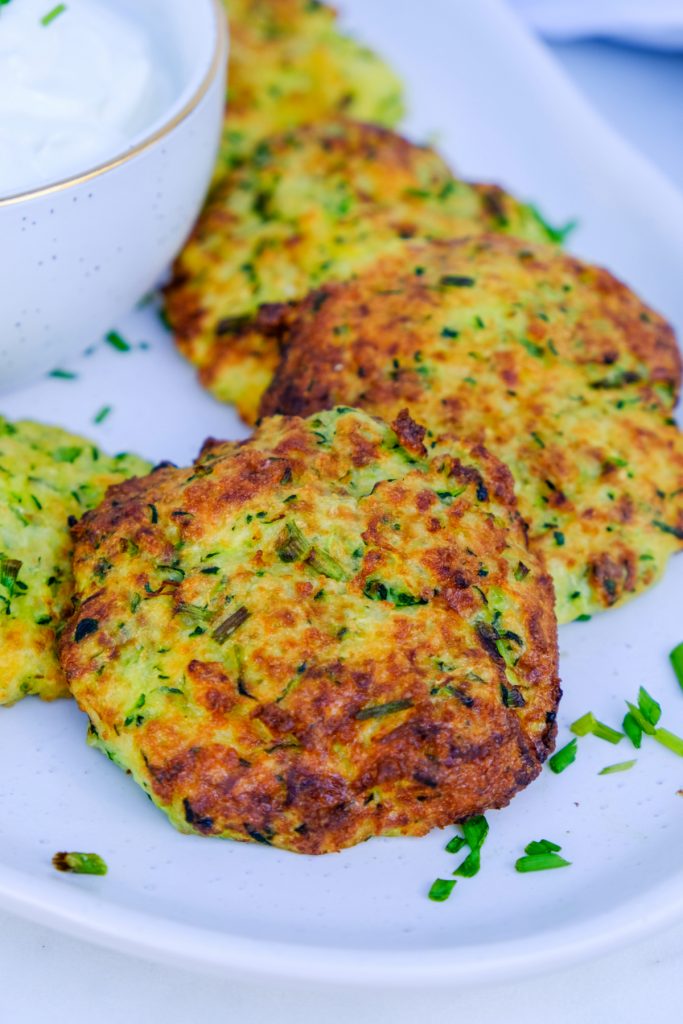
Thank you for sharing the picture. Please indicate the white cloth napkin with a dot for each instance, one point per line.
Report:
(648, 23)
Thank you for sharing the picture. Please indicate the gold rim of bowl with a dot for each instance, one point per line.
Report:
(218, 61)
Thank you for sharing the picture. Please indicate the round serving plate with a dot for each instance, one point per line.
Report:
(503, 112)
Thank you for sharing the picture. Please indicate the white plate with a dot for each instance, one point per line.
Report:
(503, 111)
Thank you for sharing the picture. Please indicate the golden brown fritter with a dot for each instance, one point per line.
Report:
(290, 65)
(46, 477)
(313, 205)
(552, 364)
(326, 633)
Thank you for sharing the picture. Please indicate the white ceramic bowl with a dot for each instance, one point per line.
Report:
(77, 254)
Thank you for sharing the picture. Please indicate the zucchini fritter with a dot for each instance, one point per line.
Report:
(313, 205)
(46, 477)
(290, 65)
(325, 633)
(554, 365)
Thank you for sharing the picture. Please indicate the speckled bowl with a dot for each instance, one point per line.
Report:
(77, 254)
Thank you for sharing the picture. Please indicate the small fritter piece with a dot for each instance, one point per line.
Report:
(46, 477)
(323, 634)
(552, 364)
(290, 65)
(314, 205)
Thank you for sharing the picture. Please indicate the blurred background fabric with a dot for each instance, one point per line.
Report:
(655, 24)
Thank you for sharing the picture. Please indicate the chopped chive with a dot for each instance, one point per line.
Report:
(648, 705)
(48, 18)
(80, 863)
(555, 234)
(588, 723)
(475, 831)
(640, 719)
(325, 565)
(632, 730)
(381, 710)
(541, 862)
(676, 658)
(117, 342)
(470, 866)
(563, 758)
(582, 726)
(456, 844)
(457, 281)
(669, 740)
(231, 624)
(102, 414)
(291, 545)
(541, 846)
(622, 766)
(441, 889)
(63, 374)
(674, 531)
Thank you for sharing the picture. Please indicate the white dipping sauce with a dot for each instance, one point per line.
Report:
(75, 92)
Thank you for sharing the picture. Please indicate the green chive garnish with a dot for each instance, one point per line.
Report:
(48, 18)
(101, 416)
(640, 718)
(291, 545)
(230, 625)
(456, 844)
(475, 831)
(80, 863)
(632, 730)
(441, 889)
(117, 342)
(470, 866)
(676, 658)
(669, 740)
(63, 374)
(381, 710)
(541, 846)
(541, 862)
(588, 723)
(563, 758)
(622, 766)
(325, 565)
(649, 706)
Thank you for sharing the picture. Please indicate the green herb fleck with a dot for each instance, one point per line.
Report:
(101, 416)
(117, 342)
(48, 18)
(649, 707)
(669, 740)
(676, 658)
(632, 730)
(231, 624)
(541, 846)
(441, 889)
(456, 844)
(541, 862)
(381, 710)
(588, 723)
(63, 374)
(622, 766)
(557, 235)
(563, 758)
(80, 863)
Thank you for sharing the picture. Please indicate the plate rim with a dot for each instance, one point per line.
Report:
(209, 951)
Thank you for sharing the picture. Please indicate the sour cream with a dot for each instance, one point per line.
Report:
(78, 87)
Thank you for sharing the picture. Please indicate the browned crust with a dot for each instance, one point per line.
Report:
(308, 377)
(282, 780)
